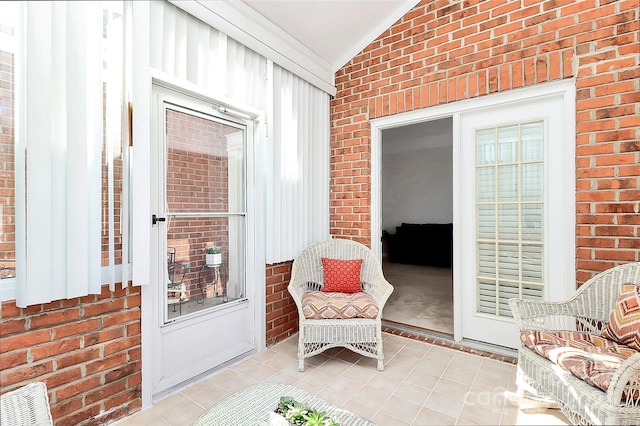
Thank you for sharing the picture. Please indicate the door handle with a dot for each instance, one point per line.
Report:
(155, 219)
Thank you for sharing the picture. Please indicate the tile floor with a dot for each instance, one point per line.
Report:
(422, 384)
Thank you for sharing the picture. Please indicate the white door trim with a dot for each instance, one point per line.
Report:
(566, 88)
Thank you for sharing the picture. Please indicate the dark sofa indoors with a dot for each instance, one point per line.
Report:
(421, 244)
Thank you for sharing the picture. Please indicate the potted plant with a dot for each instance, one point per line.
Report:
(213, 256)
(291, 412)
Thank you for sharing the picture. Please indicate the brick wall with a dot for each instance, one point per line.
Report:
(7, 186)
(282, 314)
(86, 350)
(447, 50)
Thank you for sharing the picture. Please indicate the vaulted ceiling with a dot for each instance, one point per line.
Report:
(335, 30)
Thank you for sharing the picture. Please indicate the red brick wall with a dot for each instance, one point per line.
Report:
(7, 186)
(444, 50)
(282, 314)
(86, 350)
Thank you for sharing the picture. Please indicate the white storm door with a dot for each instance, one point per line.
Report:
(515, 210)
(204, 309)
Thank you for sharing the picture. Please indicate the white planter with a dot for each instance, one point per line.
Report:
(214, 259)
(277, 420)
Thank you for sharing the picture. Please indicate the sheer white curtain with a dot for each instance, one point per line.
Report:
(59, 97)
(298, 203)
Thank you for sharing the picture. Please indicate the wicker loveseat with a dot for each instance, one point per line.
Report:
(585, 314)
(361, 335)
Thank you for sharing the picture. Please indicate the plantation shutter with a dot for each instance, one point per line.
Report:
(509, 212)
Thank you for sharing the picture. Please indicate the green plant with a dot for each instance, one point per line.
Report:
(213, 250)
(301, 414)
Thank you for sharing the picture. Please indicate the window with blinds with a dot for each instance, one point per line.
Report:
(509, 215)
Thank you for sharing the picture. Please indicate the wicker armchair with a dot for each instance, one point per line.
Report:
(26, 406)
(586, 311)
(360, 335)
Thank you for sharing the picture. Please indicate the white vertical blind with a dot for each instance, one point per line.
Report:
(188, 49)
(60, 135)
(298, 118)
(298, 206)
(509, 212)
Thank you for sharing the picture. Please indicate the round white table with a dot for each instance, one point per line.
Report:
(251, 407)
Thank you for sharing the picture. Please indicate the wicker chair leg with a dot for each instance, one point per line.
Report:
(301, 365)
(380, 365)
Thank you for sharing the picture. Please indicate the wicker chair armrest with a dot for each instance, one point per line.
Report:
(542, 315)
(624, 389)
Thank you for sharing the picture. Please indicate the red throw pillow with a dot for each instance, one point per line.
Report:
(624, 320)
(342, 276)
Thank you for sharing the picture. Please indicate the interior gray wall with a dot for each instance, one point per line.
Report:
(417, 174)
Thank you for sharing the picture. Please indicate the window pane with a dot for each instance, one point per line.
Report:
(508, 144)
(532, 182)
(508, 226)
(205, 199)
(532, 222)
(532, 135)
(486, 146)
(486, 222)
(485, 182)
(8, 45)
(508, 183)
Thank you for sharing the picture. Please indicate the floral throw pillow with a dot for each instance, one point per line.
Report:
(341, 276)
(624, 320)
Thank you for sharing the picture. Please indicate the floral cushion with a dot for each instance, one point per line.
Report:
(323, 305)
(624, 320)
(589, 357)
(341, 276)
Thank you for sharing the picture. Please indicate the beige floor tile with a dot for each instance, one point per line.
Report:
(444, 404)
(423, 384)
(428, 417)
(384, 419)
(342, 389)
(466, 361)
(491, 383)
(396, 370)
(238, 383)
(401, 409)
(320, 378)
(405, 359)
(205, 393)
(371, 398)
(481, 415)
(261, 372)
(427, 365)
(183, 415)
(493, 368)
(359, 373)
(360, 410)
(440, 355)
(453, 389)
(384, 383)
(425, 380)
(144, 417)
(169, 403)
(412, 392)
(459, 375)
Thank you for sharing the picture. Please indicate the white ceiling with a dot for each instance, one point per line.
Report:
(335, 30)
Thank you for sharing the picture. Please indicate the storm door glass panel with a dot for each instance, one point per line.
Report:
(205, 210)
(509, 216)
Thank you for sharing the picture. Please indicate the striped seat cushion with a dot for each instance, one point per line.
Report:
(624, 320)
(323, 305)
(589, 357)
